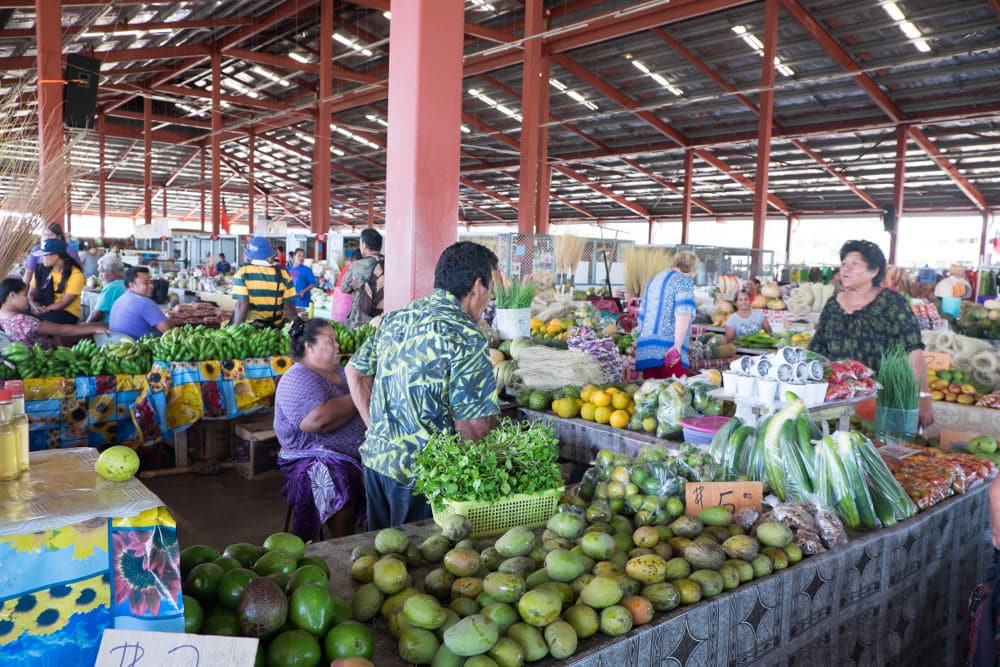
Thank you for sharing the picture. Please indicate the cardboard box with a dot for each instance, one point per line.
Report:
(209, 440)
(255, 449)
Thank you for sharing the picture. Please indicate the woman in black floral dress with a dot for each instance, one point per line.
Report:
(864, 318)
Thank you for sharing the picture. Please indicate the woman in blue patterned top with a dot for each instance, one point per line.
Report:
(665, 320)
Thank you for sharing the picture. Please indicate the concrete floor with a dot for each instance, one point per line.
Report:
(221, 509)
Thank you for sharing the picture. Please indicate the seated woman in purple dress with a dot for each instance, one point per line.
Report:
(320, 431)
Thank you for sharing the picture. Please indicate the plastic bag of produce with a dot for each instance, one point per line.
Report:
(890, 501)
(672, 409)
(699, 390)
(841, 484)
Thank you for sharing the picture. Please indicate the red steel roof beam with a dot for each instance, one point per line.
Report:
(884, 102)
(746, 101)
(653, 121)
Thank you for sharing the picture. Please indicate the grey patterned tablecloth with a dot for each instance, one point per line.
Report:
(892, 597)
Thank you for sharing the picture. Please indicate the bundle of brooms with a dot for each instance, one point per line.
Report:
(641, 264)
(25, 205)
(569, 252)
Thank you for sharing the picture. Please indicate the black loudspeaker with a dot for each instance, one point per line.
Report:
(80, 91)
(889, 219)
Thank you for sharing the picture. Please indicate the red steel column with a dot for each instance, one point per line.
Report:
(250, 181)
(688, 186)
(764, 129)
(788, 240)
(532, 204)
(898, 180)
(422, 172)
(202, 188)
(164, 201)
(48, 35)
(101, 184)
(216, 140)
(147, 172)
(320, 219)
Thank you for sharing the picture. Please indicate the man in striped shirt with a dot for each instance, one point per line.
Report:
(262, 291)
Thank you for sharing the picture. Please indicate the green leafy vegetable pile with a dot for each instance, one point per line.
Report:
(516, 457)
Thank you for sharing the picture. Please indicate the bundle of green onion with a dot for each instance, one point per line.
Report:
(899, 386)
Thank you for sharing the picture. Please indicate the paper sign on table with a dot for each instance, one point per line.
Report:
(732, 495)
(937, 361)
(952, 439)
(136, 648)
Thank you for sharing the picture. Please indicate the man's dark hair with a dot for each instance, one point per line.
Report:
(459, 266)
(132, 273)
(12, 285)
(872, 255)
(222, 255)
(372, 239)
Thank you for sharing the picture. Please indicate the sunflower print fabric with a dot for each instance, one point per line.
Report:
(431, 368)
(866, 333)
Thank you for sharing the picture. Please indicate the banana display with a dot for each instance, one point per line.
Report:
(84, 358)
(198, 343)
(187, 343)
(349, 340)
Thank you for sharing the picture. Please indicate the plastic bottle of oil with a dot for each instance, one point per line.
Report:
(16, 389)
(9, 442)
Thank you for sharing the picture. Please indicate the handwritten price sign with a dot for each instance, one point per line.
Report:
(732, 495)
(136, 648)
(937, 361)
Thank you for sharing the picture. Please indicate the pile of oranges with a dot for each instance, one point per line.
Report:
(604, 405)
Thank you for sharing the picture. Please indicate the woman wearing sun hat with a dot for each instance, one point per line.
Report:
(263, 292)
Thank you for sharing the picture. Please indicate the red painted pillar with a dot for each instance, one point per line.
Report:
(48, 36)
(764, 129)
(164, 201)
(68, 194)
(649, 234)
(422, 172)
(688, 187)
(320, 220)
(532, 205)
(101, 192)
(250, 182)
(898, 181)
(987, 219)
(202, 188)
(147, 171)
(216, 141)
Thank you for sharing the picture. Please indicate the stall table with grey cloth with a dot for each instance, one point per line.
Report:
(897, 596)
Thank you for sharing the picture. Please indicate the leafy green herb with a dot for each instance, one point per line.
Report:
(516, 295)
(515, 457)
(899, 386)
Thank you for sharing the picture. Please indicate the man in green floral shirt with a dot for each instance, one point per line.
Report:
(425, 370)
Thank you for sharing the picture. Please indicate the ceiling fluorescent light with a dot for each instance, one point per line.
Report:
(639, 65)
(300, 57)
(337, 152)
(268, 74)
(556, 83)
(465, 128)
(908, 27)
(893, 10)
(387, 14)
(758, 46)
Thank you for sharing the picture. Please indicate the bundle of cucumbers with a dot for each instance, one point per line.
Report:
(758, 341)
(842, 471)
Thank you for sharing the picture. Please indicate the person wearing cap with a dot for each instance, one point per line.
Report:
(56, 284)
(51, 231)
(263, 292)
(135, 314)
(111, 269)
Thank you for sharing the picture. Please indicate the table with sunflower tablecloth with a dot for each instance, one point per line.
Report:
(79, 554)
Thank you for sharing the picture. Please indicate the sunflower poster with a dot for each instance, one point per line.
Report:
(178, 394)
(62, 585)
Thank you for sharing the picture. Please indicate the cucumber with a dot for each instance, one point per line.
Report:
(856, 480)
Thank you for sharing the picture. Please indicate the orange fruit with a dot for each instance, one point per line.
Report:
(587, 411)
(600, 398)
(649, 424)
(619, 418)
(611, 390)
(639, 608)
(566, 408)
(602, 415)
(620, 401)
(586, 392)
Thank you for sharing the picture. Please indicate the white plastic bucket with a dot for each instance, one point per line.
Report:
(512, 322)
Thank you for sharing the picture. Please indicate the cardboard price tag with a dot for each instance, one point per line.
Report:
(954, 439)
(937, 361)
(897, 451)
(137, 648)
(732, 495)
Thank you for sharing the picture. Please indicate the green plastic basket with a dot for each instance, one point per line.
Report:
(494, 518)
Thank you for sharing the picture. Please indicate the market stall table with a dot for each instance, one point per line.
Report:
(897, 596)
(79, 554)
